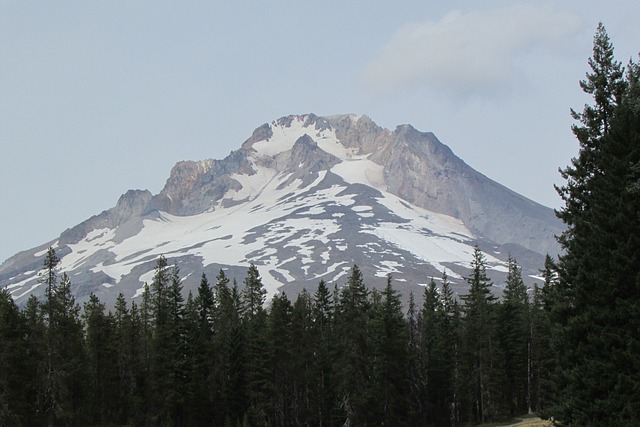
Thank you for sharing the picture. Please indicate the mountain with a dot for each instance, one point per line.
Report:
(305, 198)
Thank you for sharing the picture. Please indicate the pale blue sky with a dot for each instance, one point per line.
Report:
(100, 97)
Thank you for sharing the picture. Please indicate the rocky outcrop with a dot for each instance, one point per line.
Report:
(359, 132)
(194, 188)
(306, 161)
(425, 172)
(131, 205)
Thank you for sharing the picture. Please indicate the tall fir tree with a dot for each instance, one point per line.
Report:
(67, 376)
(599, 282)
(14, 374)
(514, 327)
(480, 346)
(352, 367)
(34, 357)
(280, 360)
(200, 316)
(257, 373)
(542, 359)
(391, 384)
(102, 357)
(323, 317)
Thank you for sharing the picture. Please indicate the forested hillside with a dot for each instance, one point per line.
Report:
(338, 355)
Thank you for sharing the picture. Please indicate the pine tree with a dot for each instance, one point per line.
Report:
(481, 349)
(200, 314)
(596, 308)
(391, 385)
(128, 340)
(542, 359)
(100, 338)
(280, 361)
(34, 357)
(232, 348)
(145, 378)
(14, 380)
(228, 342)
(257, 375)
(303, 350)
(452, 339)
(323, 310)
(66, 375)
(514, 327)
(353, 344)
(166, 364)
(175, 395)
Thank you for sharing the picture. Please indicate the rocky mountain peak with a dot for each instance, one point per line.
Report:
(184, 175)
(303, 198)
(358, 132)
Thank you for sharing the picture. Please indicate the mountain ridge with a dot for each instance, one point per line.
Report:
(327, 179)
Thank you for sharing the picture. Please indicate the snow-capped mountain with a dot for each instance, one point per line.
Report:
(304, 199)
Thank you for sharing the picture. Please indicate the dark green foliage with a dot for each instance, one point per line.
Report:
(482, 358)
(390, 360)
(322, 345)
(347, 357)
(257, 372)
(542, 359)
(15, 383)
(102, 356)
(353, 372)
(595, 312)
(65, 360)
(199, 349)
(280, 360)
(514, 333)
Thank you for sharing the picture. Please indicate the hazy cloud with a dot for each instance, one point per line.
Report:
(466, 53)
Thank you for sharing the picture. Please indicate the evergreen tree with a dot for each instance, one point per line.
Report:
(353, 370)
(200, 313)
(228, 340)
(166, 361)
(145, 378)
(65, 378)
(130, 365)
(232, 347)
(34, 356)
(302, 372)
(596, 310)
(390, 385)
(440, 336)
(14, 387)
(481, 349)
(280, 361)
(542, 360)
(514, 327)
(175, 395)
(102, 362)
(452, 330)
(323, 309)
(49, 278)
(258, 375)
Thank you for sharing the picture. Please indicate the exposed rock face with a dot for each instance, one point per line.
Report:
(132, 205)
(359, 132)
(304, 198)
(307, 160)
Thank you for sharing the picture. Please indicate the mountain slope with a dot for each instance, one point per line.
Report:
(304, 198)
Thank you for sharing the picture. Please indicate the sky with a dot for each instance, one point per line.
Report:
(97, 98)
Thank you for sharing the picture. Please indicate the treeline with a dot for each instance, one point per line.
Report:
(341, 356)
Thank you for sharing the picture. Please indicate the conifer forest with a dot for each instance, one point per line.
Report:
(347, 355)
